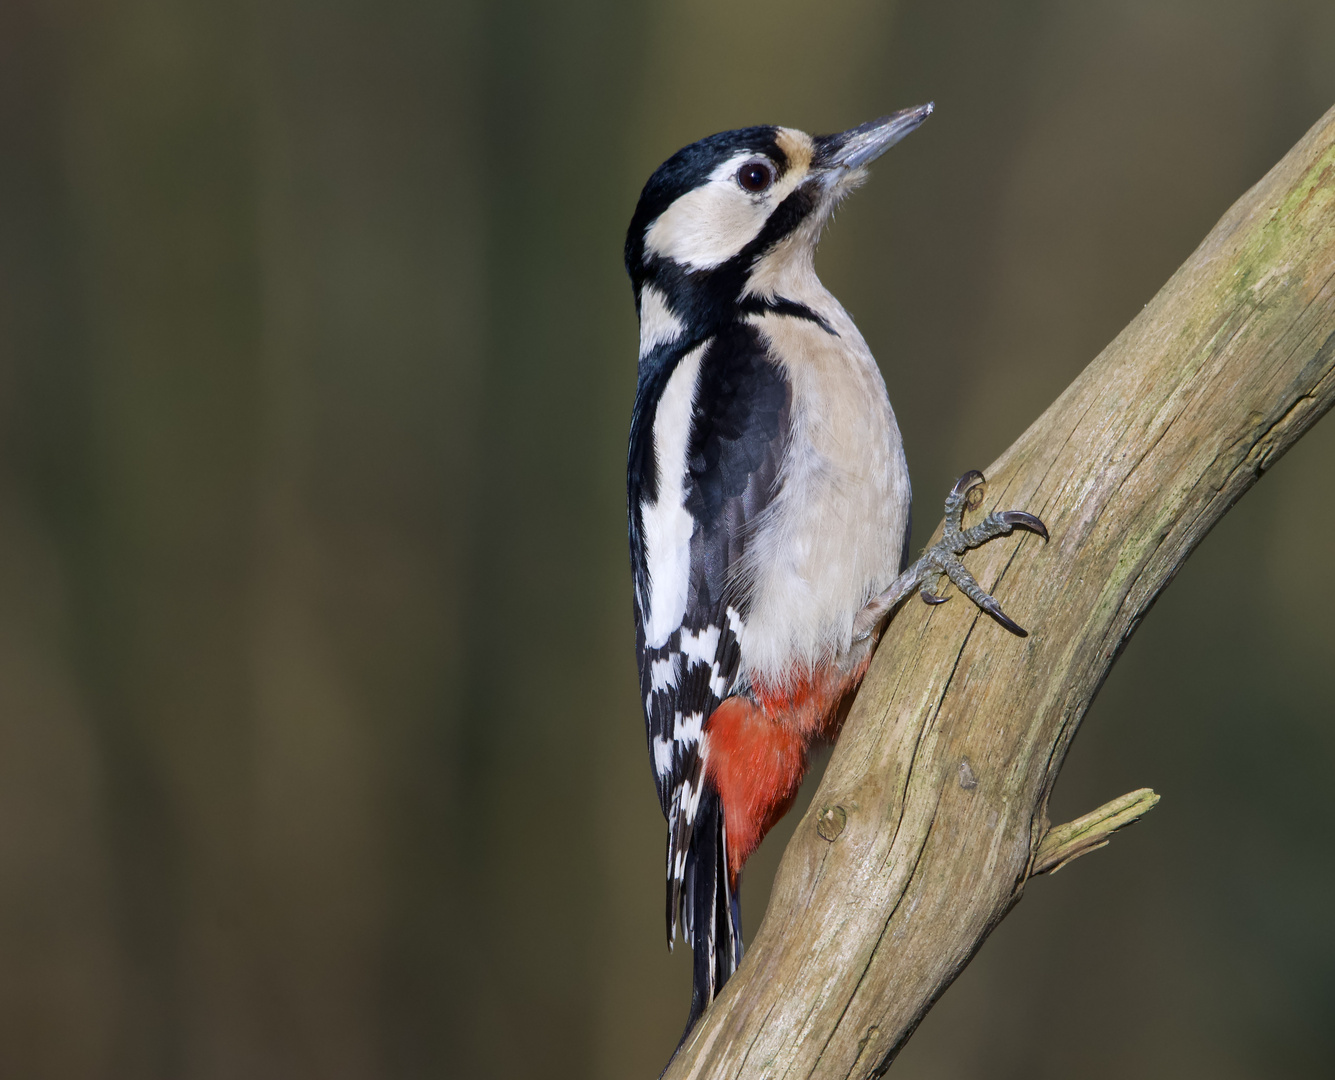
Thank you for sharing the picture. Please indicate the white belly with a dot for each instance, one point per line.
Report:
(834, 535)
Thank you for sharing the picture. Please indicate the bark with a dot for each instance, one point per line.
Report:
(932, 813)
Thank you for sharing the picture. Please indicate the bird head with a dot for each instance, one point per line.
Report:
(735, 214)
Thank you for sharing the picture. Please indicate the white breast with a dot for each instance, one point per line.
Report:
(834, 535)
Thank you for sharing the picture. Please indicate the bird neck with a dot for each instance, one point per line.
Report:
(679, 309)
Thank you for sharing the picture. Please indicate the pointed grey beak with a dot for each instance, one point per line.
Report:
(863, 144)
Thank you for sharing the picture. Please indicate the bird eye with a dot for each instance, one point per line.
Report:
(755, 176)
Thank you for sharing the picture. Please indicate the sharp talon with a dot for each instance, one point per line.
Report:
(994, 609)
(1020, 520)
(943, 557)
(968, 480)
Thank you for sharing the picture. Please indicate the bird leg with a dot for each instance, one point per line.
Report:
(943, 559)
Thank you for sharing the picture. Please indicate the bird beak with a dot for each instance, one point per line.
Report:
(863, 144)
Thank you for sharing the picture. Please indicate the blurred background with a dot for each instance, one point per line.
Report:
(320, 753)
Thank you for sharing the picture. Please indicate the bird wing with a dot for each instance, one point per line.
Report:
(710, 431)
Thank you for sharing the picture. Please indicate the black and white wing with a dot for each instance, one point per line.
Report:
(708, 437)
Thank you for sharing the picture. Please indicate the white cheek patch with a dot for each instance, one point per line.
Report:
(710, 224)
(657, 323)
(667, 523)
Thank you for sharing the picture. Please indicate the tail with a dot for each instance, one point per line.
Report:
(713, 916)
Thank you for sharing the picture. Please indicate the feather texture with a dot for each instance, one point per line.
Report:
(768, 502)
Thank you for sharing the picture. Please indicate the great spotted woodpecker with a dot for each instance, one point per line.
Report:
(768, 498)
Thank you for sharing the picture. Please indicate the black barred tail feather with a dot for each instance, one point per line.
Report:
(712, 914)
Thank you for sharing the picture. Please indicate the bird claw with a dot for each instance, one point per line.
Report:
(970, 479)
(991, 606)
(942, 558)
(1020, 520)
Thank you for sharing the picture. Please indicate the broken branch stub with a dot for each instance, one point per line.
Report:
(1090, 832)
(868, 923)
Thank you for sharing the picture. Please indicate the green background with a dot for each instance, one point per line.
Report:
(320, 754)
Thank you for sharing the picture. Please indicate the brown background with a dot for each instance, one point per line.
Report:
(320, 753)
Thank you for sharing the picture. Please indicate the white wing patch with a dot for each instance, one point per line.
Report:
(681, 821)
(683, 731)
(718, 685)
(689, 727)
(667, 523)
(662, 756)
(700, 647)
(735, 623)
(663, 674)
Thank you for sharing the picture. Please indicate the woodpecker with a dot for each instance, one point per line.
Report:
(768, 501)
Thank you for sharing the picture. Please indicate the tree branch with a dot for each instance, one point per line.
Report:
(1091, 832)
(932, 813)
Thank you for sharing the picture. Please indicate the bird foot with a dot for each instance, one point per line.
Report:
(942, 559)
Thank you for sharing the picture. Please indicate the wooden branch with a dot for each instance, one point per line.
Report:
(932, 813)
(1091, 832)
